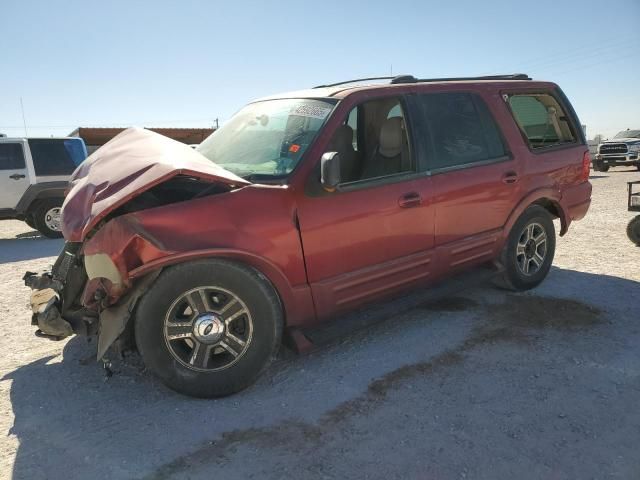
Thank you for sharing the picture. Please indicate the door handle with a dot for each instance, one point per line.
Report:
(510, 177)
(408, 200)
(16, 176)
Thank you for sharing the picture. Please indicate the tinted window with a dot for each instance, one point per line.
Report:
(11, 156)
(56, 156)
(462, 130)
(541, 119)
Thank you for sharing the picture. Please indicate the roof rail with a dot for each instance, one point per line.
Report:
(411, 79)
(397, 79)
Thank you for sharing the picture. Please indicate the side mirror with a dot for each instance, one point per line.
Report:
(330, 171)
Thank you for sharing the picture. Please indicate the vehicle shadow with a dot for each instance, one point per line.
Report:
(72, 421)
(28, 246)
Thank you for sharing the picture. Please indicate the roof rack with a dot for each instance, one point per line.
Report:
(411, 79)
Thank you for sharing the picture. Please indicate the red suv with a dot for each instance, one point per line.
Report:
(306, 205)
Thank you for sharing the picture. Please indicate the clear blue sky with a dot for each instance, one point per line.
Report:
(184, 63)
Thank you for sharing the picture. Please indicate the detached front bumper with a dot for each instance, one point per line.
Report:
(76, 298)
(54, 298)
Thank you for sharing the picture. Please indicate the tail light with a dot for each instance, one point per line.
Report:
(586, 166)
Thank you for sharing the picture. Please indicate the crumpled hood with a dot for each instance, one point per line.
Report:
(131, 163)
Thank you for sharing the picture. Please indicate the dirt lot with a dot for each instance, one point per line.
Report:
(476, 384)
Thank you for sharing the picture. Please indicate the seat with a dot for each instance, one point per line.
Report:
(391, 155)
(342, 142)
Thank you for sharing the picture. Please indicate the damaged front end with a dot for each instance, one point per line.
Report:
(89, 290)
(61, 306)
(54, 299)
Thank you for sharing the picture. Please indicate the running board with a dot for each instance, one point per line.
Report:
(305, 340)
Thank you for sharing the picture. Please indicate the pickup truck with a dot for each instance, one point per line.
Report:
(621, 150)
(34, 173)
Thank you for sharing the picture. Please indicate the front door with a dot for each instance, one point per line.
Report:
(372, 236)
(14, 179)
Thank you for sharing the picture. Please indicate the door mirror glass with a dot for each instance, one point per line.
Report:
(330, 171)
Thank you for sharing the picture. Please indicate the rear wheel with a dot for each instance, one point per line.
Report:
(208, 328)
(529, 250)
(633, 230)
(47, 218)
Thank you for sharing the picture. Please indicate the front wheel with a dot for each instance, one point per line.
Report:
(633, 230)
(208, 328)
(599, 166)
(529, 250)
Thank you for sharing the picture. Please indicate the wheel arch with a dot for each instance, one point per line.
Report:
(296, 301)
(35, 194)
(547, 198)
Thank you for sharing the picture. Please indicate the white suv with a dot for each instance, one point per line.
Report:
(33, 177)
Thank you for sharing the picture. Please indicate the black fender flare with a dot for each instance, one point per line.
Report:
(40, 191)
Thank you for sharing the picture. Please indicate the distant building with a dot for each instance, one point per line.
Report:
(94, 138)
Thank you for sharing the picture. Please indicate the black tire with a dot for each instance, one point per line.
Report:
(633, 230)
(599, 166)
(41, 217)
(29, 221)
(253, 290)
(512, 276)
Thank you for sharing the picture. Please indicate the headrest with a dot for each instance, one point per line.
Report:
(391, 137)
(342, 137)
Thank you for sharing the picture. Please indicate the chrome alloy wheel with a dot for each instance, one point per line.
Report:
(208, 329)
(531, 249)
(52, 218)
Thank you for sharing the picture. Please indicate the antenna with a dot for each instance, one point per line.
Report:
(24, 121)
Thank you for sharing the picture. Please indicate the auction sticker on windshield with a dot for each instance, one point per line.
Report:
(312, 111)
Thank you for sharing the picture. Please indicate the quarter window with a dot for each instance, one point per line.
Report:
(541, 118)
(462, 130)
(11, 156)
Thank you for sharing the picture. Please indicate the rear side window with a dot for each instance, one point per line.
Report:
(541, 119)
(462, 130)
(11, 156)
(56, 156)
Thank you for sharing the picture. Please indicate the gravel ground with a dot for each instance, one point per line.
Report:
(475, 384)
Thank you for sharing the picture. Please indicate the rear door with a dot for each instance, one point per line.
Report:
(14, 178)
(475, 180)
(373, 236)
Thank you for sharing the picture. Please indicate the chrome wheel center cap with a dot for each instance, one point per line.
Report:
(208, 328)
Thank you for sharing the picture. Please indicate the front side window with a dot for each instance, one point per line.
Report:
(462, 130)
(11, 156)
(267, 139)
(541, 119)
(56, 156)
(373, 141)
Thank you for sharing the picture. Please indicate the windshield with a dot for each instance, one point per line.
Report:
(267, 139)
(628, 134)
